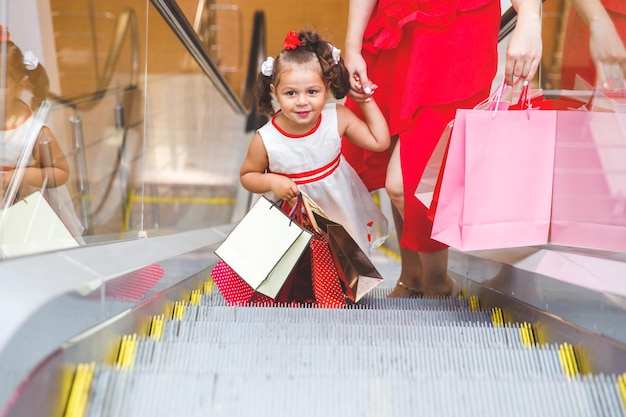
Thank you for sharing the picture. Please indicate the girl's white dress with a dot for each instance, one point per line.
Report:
(12, 144)
(315, 163)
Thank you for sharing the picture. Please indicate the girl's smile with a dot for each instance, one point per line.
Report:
(303, 114)
(301, 95)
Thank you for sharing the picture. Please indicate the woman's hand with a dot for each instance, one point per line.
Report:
(361, 88)
(605, 46)
(523, 54)
(607, 51)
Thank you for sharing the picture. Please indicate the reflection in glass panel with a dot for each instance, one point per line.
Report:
(149, 141)
(153, 150)
(37, 209)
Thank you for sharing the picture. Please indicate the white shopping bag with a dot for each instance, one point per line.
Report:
(32, 226)
(426, 187)
(264, 247)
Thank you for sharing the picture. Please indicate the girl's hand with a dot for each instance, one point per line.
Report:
(360, 97)
(284, 188)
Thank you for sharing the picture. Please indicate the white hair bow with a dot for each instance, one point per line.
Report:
(336, 53)
(267, 67)
(30, 60)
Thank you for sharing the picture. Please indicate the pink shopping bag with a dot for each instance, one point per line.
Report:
(589, 201)
(496, 186)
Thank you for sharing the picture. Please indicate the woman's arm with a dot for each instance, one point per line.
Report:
(523, 54)
(359, 13)
(605, 45)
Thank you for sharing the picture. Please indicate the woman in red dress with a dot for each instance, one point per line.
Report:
(425, 59)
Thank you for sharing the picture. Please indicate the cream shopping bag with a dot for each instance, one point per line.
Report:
(264, 247)
(31, 226)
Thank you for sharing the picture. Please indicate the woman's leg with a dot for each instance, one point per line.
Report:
(436, 281)
(421, 273)
(410, 280)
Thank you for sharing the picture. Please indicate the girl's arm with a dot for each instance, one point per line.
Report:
(60, 169)
(523, 53)
(605, 45)
(255, 178)
(371, 134)
(56, 175)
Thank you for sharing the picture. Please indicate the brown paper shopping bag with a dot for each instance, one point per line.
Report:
(357, 273)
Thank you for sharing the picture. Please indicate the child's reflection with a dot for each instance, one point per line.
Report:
(48, 166)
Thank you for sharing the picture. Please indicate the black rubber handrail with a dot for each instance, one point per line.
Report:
(179, 24)
(507, 23)
(258, 50)
(126, 22)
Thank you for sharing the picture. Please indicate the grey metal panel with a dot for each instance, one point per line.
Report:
(51, 298)
(561, 312)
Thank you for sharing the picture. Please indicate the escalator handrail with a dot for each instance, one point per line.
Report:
(258, 50)
(507, 23)
(184, 31)
(127, 21)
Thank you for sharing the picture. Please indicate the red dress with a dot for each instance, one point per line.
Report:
(428, 57)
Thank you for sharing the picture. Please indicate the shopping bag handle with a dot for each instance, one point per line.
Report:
(604, 92)
(311, 207)
(523, 102)
(294, 213)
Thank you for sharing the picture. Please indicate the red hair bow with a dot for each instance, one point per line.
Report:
(292, 41)
(5, 36)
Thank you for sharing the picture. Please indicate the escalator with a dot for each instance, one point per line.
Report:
(97, 340)
(196, 356)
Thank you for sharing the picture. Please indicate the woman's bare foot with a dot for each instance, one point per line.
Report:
(404, 290)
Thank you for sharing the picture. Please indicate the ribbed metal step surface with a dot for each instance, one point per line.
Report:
(386, 357)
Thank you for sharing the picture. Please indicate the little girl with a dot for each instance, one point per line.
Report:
(300, 148)
(23, 71)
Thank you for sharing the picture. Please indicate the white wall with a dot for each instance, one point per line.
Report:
(505, 4)
(30, 25)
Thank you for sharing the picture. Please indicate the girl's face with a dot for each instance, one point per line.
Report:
(301, 94)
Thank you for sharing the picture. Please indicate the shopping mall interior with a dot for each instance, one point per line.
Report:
(152, 104)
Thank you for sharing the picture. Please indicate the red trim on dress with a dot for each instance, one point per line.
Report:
(315, 174)
(289, 135)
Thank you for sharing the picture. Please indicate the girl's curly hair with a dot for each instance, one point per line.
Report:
(314, 52)
(38, 81)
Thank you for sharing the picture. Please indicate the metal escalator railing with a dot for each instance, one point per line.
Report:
(171, 13)
(126, 24)
(206, 26)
